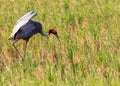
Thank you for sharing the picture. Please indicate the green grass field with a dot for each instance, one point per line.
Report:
(89, 52)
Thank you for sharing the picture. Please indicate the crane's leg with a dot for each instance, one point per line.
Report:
(15, 47)
(25, 48)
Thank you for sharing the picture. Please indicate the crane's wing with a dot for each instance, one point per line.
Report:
(23, 17)
(22, 21)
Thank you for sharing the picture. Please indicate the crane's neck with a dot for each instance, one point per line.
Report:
(44, 34)
(39, 28)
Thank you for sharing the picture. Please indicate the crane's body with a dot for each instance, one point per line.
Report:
(26, 28)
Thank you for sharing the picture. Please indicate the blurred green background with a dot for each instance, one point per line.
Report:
(89, 52)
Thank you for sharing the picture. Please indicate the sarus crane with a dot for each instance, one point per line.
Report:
(25, 28)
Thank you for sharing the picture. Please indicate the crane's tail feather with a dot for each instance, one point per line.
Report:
(10, 38)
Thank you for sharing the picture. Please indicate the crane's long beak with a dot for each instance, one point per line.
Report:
(57, 37)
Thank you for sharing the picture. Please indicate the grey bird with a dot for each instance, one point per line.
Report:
(26, 28)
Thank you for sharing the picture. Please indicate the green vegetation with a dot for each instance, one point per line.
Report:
(89, 52)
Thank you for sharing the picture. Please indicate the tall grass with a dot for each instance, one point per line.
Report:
(89, 52)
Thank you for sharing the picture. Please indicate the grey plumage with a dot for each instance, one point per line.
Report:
(21, 22)
(28, 30)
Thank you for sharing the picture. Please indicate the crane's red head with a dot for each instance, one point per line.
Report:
(53, 31)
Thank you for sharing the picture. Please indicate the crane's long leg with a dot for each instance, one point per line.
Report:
(25, 49)
(16, 48)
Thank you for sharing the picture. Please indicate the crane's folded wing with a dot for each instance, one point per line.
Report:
(26, 31)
